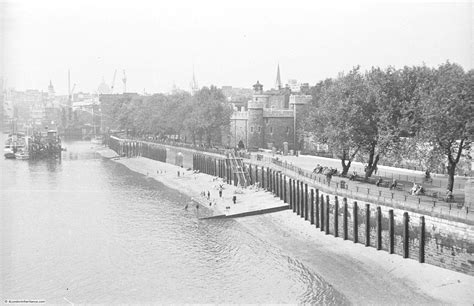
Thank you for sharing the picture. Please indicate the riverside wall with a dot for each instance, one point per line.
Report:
(427, 239)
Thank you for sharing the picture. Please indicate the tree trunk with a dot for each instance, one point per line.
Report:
(349, 158)
(345, 167)
(451, 171)
(372, 163)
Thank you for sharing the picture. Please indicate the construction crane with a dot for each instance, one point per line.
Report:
(124, 80)
(113, 82)
(69, 90)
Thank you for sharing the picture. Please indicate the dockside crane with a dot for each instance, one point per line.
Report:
(69, 90)
(124, 80)
(113, 82)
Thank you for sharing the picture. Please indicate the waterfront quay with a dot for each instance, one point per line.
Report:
(397, 228)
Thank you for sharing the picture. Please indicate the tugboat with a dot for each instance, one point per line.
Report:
(45, 145)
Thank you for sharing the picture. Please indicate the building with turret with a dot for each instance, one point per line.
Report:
(269, 120)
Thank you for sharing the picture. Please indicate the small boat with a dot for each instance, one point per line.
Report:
(13, 143)
(22, 154)
(8, 152)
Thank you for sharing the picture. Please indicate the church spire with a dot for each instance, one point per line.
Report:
(278, 79)
(194, 84)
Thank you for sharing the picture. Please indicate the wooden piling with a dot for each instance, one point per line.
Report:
(336, 214)
(421, 256)
(316, 206)
(326, 213)
(355, 229)
(294, 195)
(379, 228)
(306, 201)
(405, 235)
(282, 188)
(301, 199)
(367, 224)
(391, 232)
(298, 198)
(321, 210)
(311, 199)
(291, 193)
(344, 219)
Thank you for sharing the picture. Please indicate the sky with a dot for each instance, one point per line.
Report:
(236, 43)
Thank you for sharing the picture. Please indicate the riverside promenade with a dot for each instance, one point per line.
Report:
(363, 275)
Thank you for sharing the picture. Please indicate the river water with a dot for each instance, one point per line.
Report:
(88, 230)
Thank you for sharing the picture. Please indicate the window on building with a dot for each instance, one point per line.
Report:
(259, 129)
(271, 130)
(251, 129)
(287, 130)
(266, 120)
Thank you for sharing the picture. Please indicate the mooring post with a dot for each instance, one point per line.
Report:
(274, 184)
(344, 219)
(391, 232)
(326, 212)
(301, 199)
(282, 187)
(322, 213)
(285, 200)
(306, 201)
(268, 179)
(355, 216)
(316, 206)
(422, 240)
(294, 196)
(379, 228)
(298, 198)
(291, 194)
(250, 174)
(311, 199)
(405, 235)
(336, 215)
(367, 224)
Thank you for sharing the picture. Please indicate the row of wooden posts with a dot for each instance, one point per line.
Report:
(131, 148)
(314, 207)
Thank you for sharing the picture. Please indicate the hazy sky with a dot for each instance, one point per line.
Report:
(236, 43)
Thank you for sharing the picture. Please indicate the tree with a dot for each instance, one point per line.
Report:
(335, 116)
(447, 114)
(383, 114)
(209, 114)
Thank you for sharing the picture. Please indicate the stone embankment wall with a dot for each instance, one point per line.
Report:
(428, 239)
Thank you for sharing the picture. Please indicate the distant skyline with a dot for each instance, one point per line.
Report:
(233, 43)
